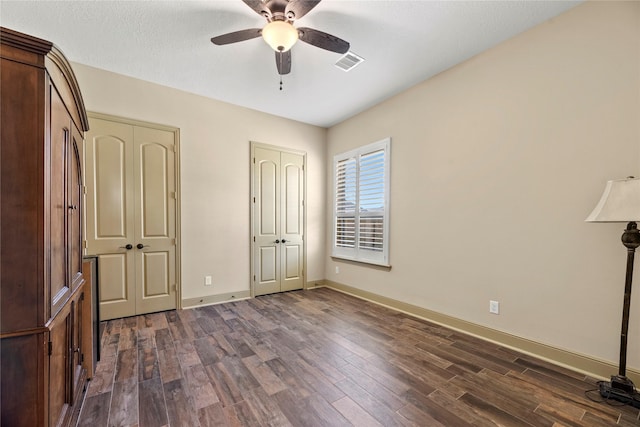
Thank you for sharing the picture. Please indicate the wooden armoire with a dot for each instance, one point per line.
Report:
(45, 315)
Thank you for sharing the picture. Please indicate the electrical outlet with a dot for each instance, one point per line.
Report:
(337, 270)
(207, 281)
(494, 307)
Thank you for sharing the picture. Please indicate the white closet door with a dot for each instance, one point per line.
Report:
(131, 216)
(278, 220)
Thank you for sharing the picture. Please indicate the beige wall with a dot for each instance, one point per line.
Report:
(495, 165)
(215, 173)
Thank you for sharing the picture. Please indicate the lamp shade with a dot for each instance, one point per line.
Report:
(280, 35)
(620, 202)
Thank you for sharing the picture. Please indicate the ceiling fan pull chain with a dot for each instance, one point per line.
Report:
(281, 82)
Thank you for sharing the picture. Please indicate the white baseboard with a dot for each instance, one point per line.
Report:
(215, 299)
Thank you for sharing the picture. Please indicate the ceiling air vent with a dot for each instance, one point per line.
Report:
(349, 61)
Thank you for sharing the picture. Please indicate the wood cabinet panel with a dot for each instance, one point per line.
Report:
(59, 369)
(60, 289)
(14, 366)
(75, 207)
(22, 187)
(42, 309)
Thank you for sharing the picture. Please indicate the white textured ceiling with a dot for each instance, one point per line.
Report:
(168, 42)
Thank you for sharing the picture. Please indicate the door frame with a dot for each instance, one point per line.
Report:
(176, 137)
(252, 209)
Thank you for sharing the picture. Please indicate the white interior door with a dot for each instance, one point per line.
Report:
(131, 216)
(278, 220)
(110, 226)
(155, 221)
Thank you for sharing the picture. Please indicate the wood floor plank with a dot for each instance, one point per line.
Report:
(148, 366)
(151, 403)
(265, 408)
(354, 413)
(323, 358)
(155, 321)
(383, 371)
(199, 387)
(501, 417)
(562, 416)
(314, 378)
(260, 348)
(369, 403)
(227, 389)
(213, 416)
(179, 410)
(236, 339)
(509, 400)
(326, 412)
(169, 365)
(294, 383)
(466, 412)
(146, 336)
(433, 410)
(186, 353)
(269, 381)
(418, 417)
(402, 377)
(95, 411)
(297, 411)
(242, 414)
(102, 381)
(317, 361)
(128, 337)
(375, 388)
(124, 403)
(163, 339)
(208, 350)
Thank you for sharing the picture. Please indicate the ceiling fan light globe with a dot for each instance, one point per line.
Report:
(280, 35)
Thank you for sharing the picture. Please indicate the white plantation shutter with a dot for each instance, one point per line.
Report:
(361, 204)
(346, 203)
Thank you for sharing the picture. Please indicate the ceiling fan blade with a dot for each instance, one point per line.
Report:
(323, 40)
(237, 36)
(296, 9)
(283, 62)
(259, 7)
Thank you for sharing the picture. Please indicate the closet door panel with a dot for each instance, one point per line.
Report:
(292, 221)
(110, 228)
(155, 219)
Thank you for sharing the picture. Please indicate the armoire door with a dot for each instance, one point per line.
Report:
(65, 192)
(131, 216)
(278, 220)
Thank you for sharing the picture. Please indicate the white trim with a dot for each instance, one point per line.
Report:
(357, 253)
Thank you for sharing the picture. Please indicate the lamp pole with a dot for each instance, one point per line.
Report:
(631, 240)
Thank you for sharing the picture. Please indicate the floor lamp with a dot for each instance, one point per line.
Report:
(620, 202)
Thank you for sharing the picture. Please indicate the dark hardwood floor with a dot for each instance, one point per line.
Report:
(322, 358)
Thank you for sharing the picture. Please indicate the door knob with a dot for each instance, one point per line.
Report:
(140, 246)
(127, 247)
(277, 241)
(284, 241)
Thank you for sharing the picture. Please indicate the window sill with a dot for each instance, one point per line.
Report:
(379, 266)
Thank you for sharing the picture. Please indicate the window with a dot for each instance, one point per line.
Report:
(361, 204)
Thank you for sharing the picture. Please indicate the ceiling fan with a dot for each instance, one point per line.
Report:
(280, 33)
